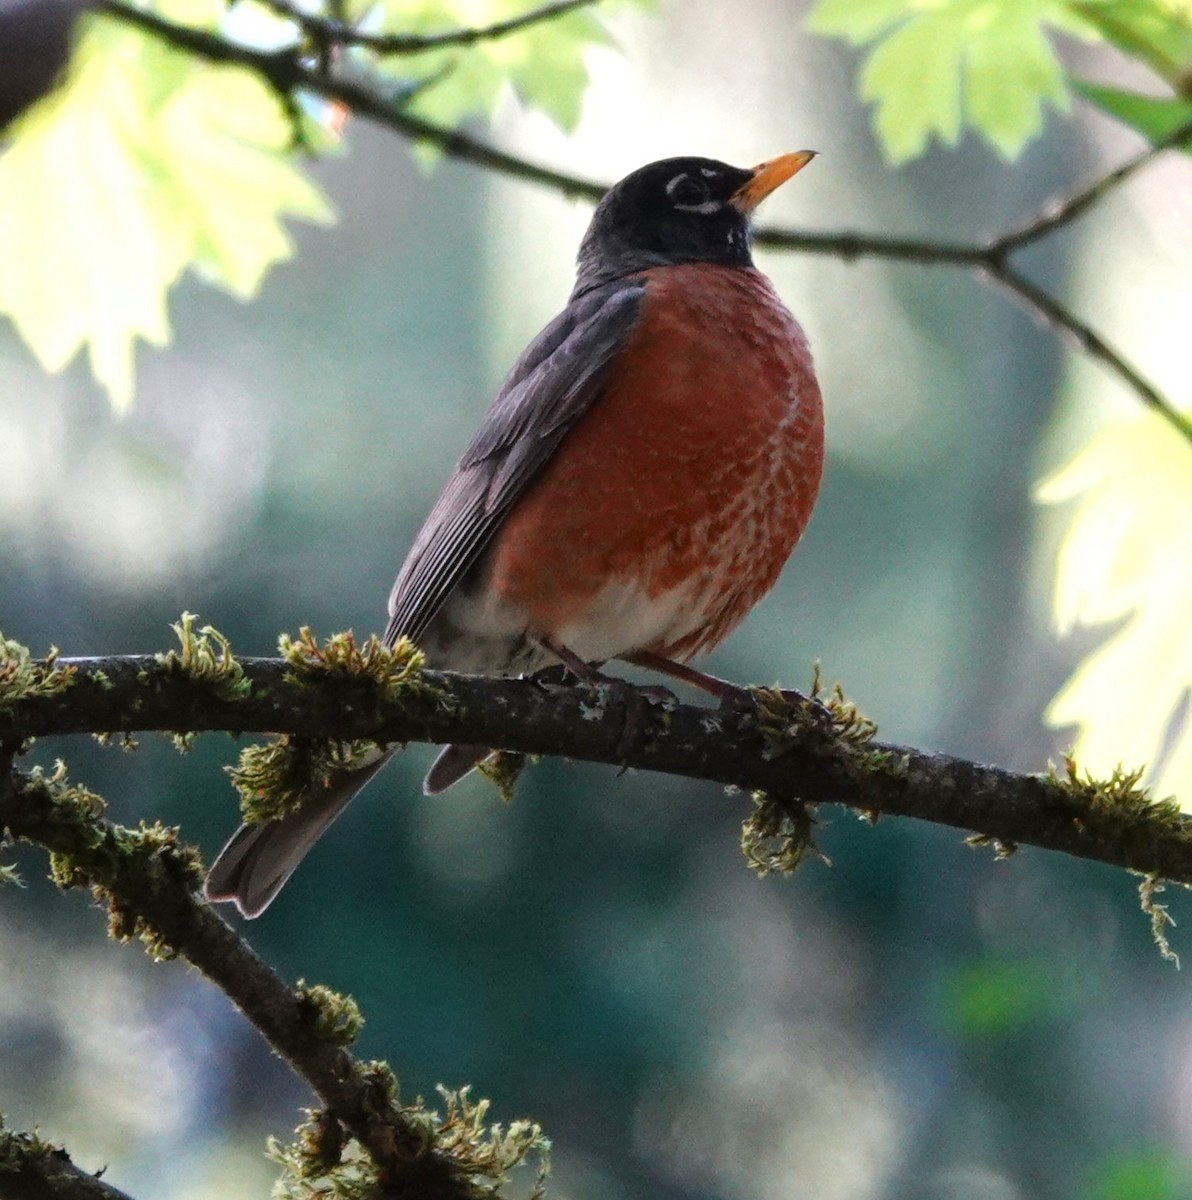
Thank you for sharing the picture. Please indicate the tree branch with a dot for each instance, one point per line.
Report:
(286, 71)
(149, 882)
(335, 33)
(31, 1169)
(777, 748)
(1063, 212)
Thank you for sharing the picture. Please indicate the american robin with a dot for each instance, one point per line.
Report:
(635, 488)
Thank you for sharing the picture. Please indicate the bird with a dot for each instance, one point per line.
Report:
(636, 486)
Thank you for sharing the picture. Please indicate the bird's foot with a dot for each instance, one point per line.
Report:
(635, 701)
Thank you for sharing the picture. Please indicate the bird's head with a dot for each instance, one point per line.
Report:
(678, 210)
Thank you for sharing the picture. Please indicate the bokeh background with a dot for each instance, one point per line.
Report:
(917, 1021)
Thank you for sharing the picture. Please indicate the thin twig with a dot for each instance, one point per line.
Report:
(390, 45)
(1054, 314)
(1064, 211)
(286, 72)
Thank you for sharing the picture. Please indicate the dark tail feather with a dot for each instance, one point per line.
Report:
(258, 859)
(453, 763)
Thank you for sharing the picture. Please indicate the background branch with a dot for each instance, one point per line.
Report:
(150, 884)
(31, 1169)
(776, 748)
(335, 33)
(287, 72)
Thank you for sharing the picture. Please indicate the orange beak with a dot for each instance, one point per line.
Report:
(767, 177)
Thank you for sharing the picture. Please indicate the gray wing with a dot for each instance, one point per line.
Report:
(551, 386)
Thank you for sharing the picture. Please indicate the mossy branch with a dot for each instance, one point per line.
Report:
(33, 1169)
(363, 1141)
(771, 747)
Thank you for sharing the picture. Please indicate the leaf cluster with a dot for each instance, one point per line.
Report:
(994, 66)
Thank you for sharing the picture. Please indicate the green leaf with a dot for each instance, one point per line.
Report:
(1121, 566)
(1159, 32)
(1155, 117)
(858, 21)
(938, 67)
(146, 162)
(543, 64)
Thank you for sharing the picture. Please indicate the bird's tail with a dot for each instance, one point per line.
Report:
(453, 763)
(258, 859)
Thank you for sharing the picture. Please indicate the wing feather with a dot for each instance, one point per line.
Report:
(549, 389)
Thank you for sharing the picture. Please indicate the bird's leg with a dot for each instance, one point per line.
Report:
(585, 672)
(636, 699)
(724, 691)
(729, 694)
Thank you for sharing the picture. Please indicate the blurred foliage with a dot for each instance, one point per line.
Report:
(544, 64)
(147, 162)
(1155, 117)
(939, 67)
(1120, 566)
(1158, 33)
(1143, 1175)
(994, 997)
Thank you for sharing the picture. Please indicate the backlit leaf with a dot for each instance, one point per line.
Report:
(1124, 564)
(1155, 117)
(938, 67)
(146, 162)
(1159, 32)
(543, 64)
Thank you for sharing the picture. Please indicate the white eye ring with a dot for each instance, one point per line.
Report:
(704, 207)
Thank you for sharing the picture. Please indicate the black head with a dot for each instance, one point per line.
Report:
(679, 210)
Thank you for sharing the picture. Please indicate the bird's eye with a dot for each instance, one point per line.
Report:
(690, 194)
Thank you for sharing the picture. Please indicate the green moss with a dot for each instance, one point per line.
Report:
(1002, 849)
(274, 777)
(134, 855)
(72, 804)
(1121, 795)
(825, 720)
(883, 762)
(22, 676)
(126, 741)
(1148, 889)
(777, 838)
(323, 1162)
(1121, 810)
(485, 1154)
(206, 657)
(394, 670)
(118, 864)
(336, 1018)
(784, 722)
(503, 769)
(849, 724)
(26, 1152)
